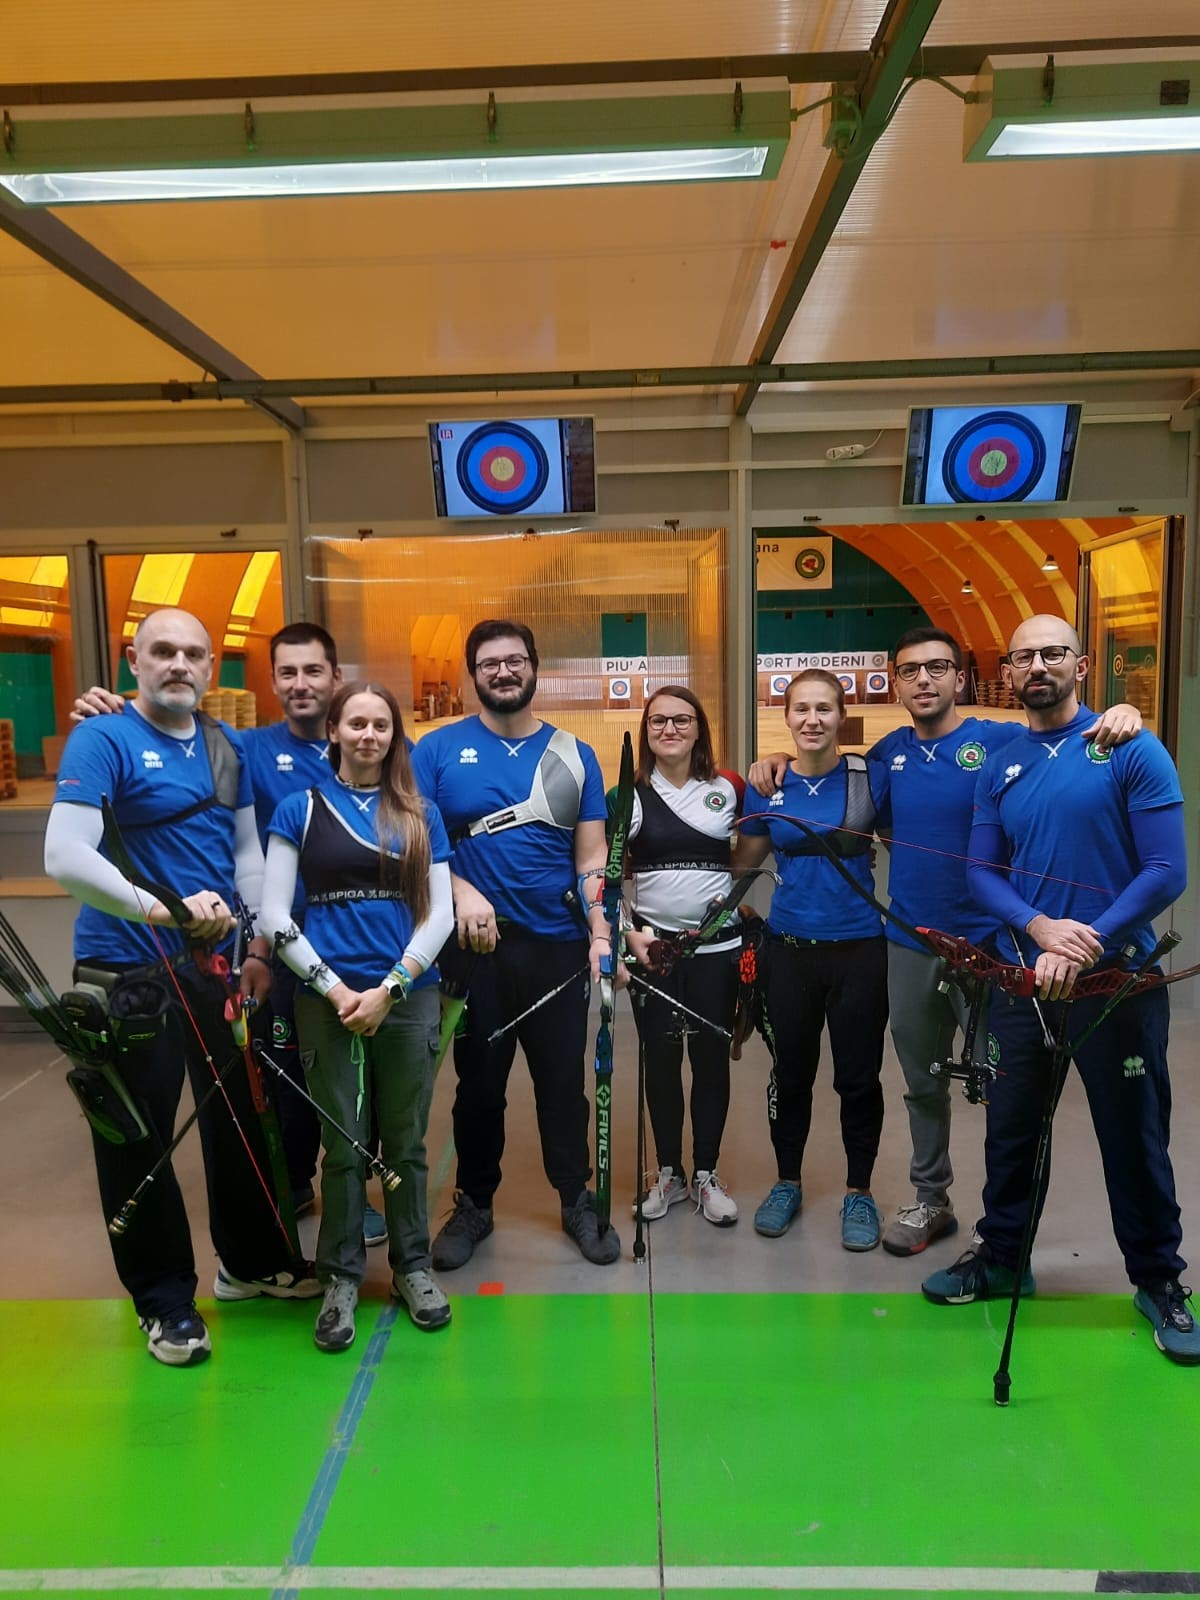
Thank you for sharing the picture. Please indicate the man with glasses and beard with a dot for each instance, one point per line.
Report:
(1075, 850)
(513, 865)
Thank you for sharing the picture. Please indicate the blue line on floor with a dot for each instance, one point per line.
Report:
(344, 1429)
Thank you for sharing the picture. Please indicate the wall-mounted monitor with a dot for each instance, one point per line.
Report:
(989, 455)
(528, 467)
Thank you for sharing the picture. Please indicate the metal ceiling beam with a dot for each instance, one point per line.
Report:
(270, 391)
(54, 242)
(818, 66)
(893, 52)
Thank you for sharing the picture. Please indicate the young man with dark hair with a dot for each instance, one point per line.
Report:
(511, 872)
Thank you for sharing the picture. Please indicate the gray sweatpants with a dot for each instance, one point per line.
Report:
(923, 1024)
(397, 1080)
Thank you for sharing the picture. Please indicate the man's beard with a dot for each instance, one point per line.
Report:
(1033, 693)
(505, 704)
(160, 698)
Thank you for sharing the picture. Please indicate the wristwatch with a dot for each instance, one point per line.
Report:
(398, 984)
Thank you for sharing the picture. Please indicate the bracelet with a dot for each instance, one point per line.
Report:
(401, 980)
(252, 955)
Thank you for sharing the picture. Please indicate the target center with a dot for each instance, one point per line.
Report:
(503, 469)
(993, 463)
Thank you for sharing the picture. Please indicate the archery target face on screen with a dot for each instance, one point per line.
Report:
(502, 468)
(970, 455)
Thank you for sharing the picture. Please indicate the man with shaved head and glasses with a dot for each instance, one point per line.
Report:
(1075, 849)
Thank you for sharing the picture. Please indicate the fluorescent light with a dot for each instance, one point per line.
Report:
(390, 177)
(1025, 107)
(1099, 138)
(418, 145)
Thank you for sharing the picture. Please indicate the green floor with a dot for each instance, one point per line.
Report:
(517, 1451)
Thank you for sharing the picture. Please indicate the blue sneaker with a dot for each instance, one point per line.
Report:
(1164, 1303)
(976, 1275)
(860, 1222)
(374, 1227)
(778, 1211)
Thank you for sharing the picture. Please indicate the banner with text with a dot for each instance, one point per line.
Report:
(804, 563)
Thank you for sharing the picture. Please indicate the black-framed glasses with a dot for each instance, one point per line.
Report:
(1052, 655)
(937, 668)
(681, 723)
(491, 668)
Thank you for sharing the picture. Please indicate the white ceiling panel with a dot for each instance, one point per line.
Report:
(1004, 21)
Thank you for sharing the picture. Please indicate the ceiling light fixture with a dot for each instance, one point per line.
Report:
(287, 148)
(967, 587)
(1027, 106)
(1049, 564)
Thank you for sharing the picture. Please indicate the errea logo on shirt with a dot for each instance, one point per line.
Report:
(777, 798)
(970, 756)
(284, 762)
(898, 763)
(1012, 772)
(151, 760)
(468, 756)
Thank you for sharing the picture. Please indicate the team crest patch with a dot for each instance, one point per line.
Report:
(993, 1050)
(970, 756)
(1094, 753)
(281, 1030)
(715, 802)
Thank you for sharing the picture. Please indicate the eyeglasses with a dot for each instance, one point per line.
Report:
(936, 669)
(1051, 655)
(491, 668)
(680, 723)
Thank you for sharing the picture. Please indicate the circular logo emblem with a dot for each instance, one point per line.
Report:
(715, 802)
(1119, 665)
(993, 1050)
(810, 563)
(1100, 757)
(970, 756)
(619, 688)
(281, 1030)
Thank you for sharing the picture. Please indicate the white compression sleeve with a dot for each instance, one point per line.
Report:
(72, 858)
(275, 918)
(431, 935)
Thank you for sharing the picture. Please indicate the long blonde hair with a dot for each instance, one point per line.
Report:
(400, 822)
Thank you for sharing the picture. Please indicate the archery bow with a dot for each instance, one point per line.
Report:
(610, 901)
(669, 949)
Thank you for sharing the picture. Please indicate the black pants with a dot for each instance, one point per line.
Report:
(844, 985)
(521, 970)
(707, 984)
(1124, 1071)
(154, 1257)
(299, 1124)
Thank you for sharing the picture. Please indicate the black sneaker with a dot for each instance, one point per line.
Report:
(1164, 1303)
(179, 1339)
(583, 1225)
(468, 1225)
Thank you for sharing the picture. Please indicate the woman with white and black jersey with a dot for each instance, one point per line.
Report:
(373, 857)
(684, 816)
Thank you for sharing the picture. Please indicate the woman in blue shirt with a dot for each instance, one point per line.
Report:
(373, 857)
(826, 958)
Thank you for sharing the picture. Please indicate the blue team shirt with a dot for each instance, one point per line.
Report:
(150, 775)
(930, 785)
(1064, 808)
(281, 764)
(471, 772)
(814, 901)
(360, 939)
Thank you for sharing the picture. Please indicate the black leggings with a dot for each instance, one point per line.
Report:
(844, 985)
(708, 984)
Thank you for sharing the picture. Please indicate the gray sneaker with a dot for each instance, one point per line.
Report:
(581, 1223)
(467, 1225)
(427, 1305)
(914, 1228)
(335, 1321)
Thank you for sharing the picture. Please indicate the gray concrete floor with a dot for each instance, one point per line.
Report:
(53, 1243)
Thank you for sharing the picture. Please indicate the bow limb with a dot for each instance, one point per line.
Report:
(610, 901)
(827, 850)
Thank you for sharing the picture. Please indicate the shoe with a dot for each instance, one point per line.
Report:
(583, 1225)
(374, 1227)
(427, 1305)
(179, 1339)
(712, 1197)
(914, 1228)
(976, 1275)
(303, 1199)
(468, 1225)
(1175, 1332)
(860, 1222)
(301, 1285)
(778, 1211)
(335, 1320)
(667, 1190)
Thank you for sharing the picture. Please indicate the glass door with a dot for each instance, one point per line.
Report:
(1131, 594)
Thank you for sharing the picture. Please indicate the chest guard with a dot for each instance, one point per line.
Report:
(337, 865)
(666, 843)
(225, 768)
(554, 796)
(853, 835)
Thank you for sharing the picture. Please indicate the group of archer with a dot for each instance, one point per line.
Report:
(493, 834)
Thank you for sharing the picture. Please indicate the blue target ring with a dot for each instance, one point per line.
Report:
(502, 467)
(998, 455)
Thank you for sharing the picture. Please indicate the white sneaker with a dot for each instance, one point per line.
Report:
(668, 1190)
(178, 1339)
(712, 1197)
(302, 1285)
